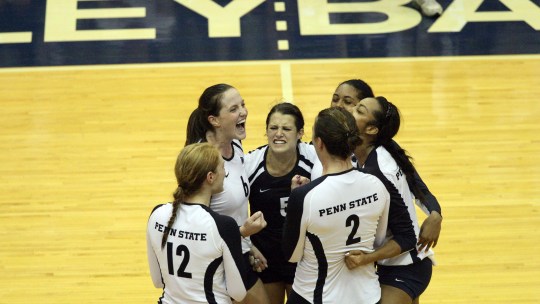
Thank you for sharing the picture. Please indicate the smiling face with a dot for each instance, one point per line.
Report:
(364, 117)
(231, 121)
(282, 133)
(345, 96)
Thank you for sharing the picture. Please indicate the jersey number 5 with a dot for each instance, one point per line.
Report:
(353, 220)
(283, 202)
(181, 250)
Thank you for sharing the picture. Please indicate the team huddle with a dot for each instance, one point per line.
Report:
(329, 221)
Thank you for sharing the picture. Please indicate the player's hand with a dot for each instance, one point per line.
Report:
(253, 224)
(355, 258)
(257, 259)
(298, 181)
(430, 231)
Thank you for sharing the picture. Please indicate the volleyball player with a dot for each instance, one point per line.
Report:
(333, 214)
(220, 119)
(270, 169)
(194, 253)
(347, 95)
(405, 277)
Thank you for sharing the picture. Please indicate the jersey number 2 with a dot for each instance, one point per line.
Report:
(353, 220)
(181, 250)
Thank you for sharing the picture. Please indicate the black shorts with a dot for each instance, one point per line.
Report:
(412, 279)
(278, 270)
(252, 276)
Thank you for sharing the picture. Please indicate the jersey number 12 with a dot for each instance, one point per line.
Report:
(181, 250)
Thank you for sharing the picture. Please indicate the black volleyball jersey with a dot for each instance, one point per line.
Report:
(270, 194)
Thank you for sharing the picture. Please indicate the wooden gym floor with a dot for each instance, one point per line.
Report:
(86, 152)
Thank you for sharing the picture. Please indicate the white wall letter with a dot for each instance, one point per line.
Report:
(315, 19)
(460, 12)
(61, 23)
(16, 37)
(222, 21)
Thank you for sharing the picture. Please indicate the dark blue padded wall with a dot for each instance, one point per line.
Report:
(57, 32)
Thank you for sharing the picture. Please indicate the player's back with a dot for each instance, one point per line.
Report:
(191, 262)
(340, 213)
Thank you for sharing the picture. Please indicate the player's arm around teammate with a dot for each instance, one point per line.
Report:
(378, 121)
(331, 215)
(398, 222)
(347, 95)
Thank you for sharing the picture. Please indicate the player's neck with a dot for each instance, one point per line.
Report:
(280, 164)
(224, 145)
(201, 198)
(332, 164)
(362, 152)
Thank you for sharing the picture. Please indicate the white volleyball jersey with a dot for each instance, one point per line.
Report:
(427, 205)
(202, 260)
(398, 224)
(233, 200)
(325, 219)
(380, 159)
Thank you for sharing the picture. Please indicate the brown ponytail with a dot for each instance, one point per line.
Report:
(191, 168)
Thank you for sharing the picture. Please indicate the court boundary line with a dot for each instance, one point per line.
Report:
(260, 62)
(286, 82)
